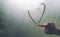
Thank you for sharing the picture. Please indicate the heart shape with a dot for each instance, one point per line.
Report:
(41, 15)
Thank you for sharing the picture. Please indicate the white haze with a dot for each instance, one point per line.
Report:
(18, 20)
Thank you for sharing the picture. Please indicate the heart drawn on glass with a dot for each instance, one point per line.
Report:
(41, 15)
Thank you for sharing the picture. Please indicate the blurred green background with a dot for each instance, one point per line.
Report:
(15, 21)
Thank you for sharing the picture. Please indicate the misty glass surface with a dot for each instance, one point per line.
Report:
(15, 21)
